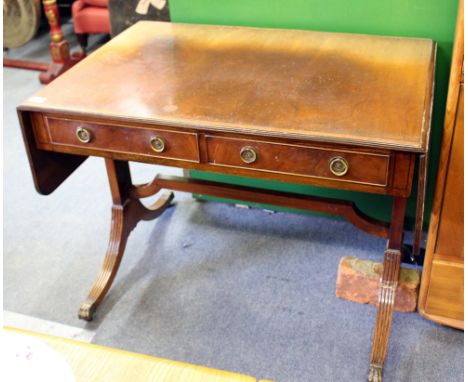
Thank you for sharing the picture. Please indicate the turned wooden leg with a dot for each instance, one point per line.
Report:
(388, 285)
(59, 47)
(126, 213)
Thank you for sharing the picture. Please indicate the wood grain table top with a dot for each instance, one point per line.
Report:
(331, 87)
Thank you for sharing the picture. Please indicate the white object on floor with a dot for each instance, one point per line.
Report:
(28, 359)
(33, 324)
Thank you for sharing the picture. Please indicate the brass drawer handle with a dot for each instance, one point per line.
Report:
(248, 154)
(157, 144)
(338, 166)
(83, 135)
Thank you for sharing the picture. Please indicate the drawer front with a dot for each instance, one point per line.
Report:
(358, 167)
(143, 141)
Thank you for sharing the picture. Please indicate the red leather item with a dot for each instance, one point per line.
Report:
(89, 18)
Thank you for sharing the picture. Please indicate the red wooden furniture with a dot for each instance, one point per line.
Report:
(89, 17)
(62, 60)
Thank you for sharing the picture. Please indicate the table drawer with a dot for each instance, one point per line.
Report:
(336, 164)
(122, 139)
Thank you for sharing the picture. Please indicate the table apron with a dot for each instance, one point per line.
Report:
(358, 168)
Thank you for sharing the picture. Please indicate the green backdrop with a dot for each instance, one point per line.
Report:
(433, 19)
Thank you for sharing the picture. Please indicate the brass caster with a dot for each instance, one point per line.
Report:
(375, 374)
(87, 310)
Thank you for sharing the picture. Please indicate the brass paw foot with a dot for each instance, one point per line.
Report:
(375, 374)
(87, 310)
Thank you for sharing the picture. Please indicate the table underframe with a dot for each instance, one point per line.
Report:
(127, 211)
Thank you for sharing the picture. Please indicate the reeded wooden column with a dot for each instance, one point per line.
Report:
(388, 285)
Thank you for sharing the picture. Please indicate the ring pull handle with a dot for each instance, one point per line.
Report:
(83, 135)
(248, 154)
(338, 166)
(157, 144)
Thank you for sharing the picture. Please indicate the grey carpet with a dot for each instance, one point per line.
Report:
(206, 283)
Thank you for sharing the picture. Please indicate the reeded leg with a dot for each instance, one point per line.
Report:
(388, 285)
(126, 213)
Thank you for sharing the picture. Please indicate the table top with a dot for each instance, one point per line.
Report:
(346, 88)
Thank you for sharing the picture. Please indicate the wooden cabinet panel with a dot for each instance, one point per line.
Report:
(446, 291)
(441, 297)
(450, 237)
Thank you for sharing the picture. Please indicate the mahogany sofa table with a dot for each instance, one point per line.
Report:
(324, 109)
